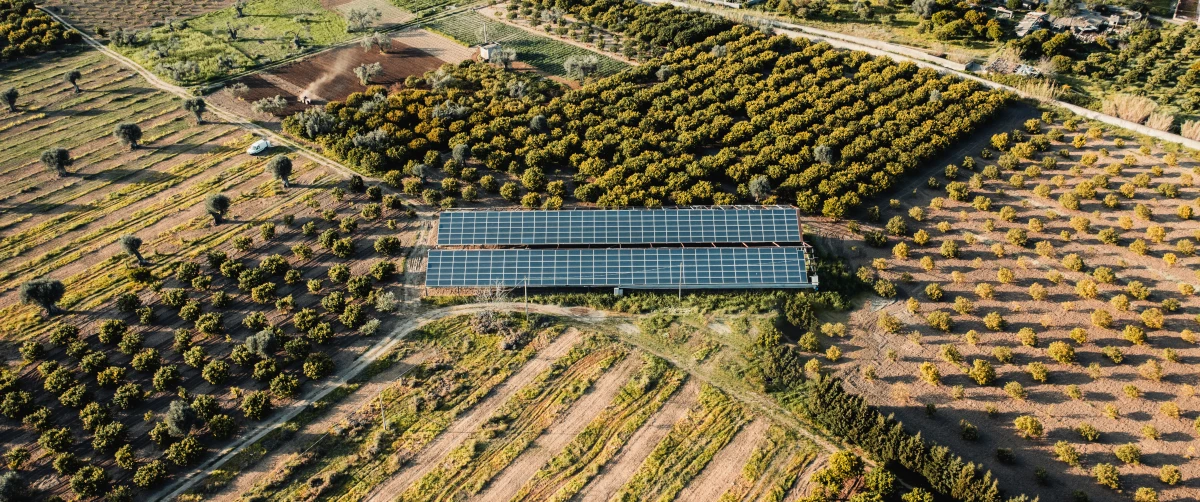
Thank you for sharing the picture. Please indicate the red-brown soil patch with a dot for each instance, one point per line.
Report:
(330, 75)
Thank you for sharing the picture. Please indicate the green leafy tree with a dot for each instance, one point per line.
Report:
(57, 159)
(128, 134)
(281, 168)
(43, 292)
(217, 205)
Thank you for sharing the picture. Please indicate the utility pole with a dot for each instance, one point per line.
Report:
(681, 275)
(526, 298)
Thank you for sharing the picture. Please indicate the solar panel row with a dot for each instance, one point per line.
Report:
(622, 226)
(662, 268)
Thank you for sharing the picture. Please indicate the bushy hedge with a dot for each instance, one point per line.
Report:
(25, 30)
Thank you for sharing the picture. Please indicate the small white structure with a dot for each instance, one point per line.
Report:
(258, 147)
(487, 50)
(1002, 13)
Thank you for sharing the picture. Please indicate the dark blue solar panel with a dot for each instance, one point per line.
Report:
(652, 268)
(619, 226)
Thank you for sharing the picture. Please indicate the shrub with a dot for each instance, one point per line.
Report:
(1128, 453)
(1061, 352)
(1028, 426)
(994, 321)
(982, 372)
(255, 405)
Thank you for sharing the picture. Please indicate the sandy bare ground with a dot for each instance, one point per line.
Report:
(437, 46)
(554, 439)
(262, 471)
(726, 467)
(429, 457)
(613, 476)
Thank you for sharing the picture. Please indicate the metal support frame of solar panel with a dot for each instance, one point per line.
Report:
(639, 268)
(720, 225)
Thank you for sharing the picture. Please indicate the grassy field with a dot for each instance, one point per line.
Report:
(690, 445)
(202, 48)
(545, 54)
(772, 469)
(507, 433)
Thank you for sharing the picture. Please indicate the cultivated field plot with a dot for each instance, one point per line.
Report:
(498, 407)
(1070, 273)
(90, 15)
(329, 76)
(545, 54)
(84, 406)
(66, 226)
(224, 42)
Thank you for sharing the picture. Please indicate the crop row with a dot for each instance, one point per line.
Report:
(570, 470)
(468, 468)
(688, 447)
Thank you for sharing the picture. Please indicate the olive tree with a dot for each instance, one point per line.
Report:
(72, 78)
(217, 205)
(180, 417)
(10, 98)
(581, 67)
(45, 293)
(281, 167)
(128, 134)
(132, 246)
(197, 107)
(58, 159)
(365, 72)
(13, 488)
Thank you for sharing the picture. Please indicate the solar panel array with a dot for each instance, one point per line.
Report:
(621, 226)
(653, 268)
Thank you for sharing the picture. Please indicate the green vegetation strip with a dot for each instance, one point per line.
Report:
(545, 54)
(203, 49)
(690, 445)
(469, 467)
(570, 470)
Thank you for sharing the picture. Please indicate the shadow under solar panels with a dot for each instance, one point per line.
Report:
(653, 268)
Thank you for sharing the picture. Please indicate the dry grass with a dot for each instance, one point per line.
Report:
(1040, 88)
(1161, 121)
(1129, 107)
(1190, 130)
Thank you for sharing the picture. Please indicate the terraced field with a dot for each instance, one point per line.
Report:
(569, 414)
(66, 227)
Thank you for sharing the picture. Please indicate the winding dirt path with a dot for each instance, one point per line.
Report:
(462, 427)
(614, 475)
(551, 442)
(726, 467)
